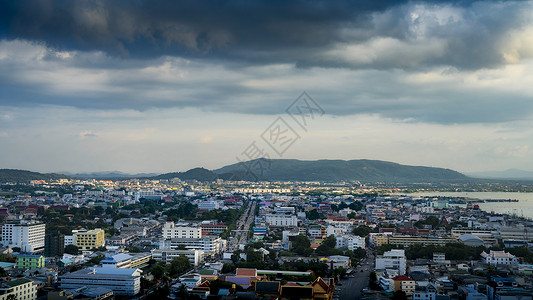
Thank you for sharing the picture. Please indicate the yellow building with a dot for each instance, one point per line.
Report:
(408, 240)
(86, 240)
(22, 289)
(379, 239)
(404, 283)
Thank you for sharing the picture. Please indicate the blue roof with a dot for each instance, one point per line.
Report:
(116, 258)
(30, 255)
(4, 265)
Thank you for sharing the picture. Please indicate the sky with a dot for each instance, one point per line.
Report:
(162, 86)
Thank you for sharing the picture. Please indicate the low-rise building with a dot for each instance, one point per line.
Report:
(20, 289)
(167, 255)
(393, 259)
(125, 282)
(499, 258)
(27, 261)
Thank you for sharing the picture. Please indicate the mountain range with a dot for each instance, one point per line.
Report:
(363, 170)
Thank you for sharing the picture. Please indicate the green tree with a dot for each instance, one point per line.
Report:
(158, 270)
(399, 295)
(362, 230)
(71, 249)
(356, 205)
(178, 265)
(312, 214)
(301, 245)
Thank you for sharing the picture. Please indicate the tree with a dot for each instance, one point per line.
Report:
(312, 214)
(356, 205)
(96, 260)
(71, 249)
(399, 295)
(301, 245)
(362, 230)
(327, 247)
(158, 270)
(178, 265)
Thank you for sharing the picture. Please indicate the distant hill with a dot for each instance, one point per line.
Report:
(14, 175)
(507, 174)
(341, 170)
(110, 175)
(199, 174)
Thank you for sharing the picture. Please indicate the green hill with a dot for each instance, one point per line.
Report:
(14, 175)
(326, 171)
(341, 170)
(199, 174)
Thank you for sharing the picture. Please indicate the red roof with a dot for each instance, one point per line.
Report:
(402, 278)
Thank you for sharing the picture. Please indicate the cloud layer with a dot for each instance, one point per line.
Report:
(444, 65)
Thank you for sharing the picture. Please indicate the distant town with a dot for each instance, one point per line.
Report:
(175, 239)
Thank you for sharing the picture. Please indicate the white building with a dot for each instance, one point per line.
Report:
(210, 245)
(351, 242)
(315, 231)
(121, 260)
(70, 240)
(172, 231)
(167, 255)
(126, 282)
(393, 259)
(208, 205)
(499, 258)
(281, 220)
(27, 235)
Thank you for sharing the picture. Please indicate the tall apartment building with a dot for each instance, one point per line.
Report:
(393, 259)
(54, 244)
(86, 240)
(27, 235)
(172, 231)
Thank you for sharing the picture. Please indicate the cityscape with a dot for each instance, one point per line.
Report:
(269, 150)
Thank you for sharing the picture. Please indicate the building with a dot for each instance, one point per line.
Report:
(125, 282)
(208, 205)
(405, 284)
(209, 244)
(121, 260)
(26, 235)
(86, 240)
(213, 229)
(69, 240)
(167, 255)
(281, 220)
(393, 259)
(20, 289)
(499, 258)
(28, 261)
(173, 231)
(54, 244)
(408, 240)
(351, 242)
(379, 239)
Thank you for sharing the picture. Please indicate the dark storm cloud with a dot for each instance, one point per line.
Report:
(300, 32)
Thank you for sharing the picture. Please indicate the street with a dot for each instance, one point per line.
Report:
(351, 287)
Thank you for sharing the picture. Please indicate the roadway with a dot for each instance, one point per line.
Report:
(240, 235)
(352, 286)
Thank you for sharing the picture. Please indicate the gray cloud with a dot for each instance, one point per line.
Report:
(346, 34)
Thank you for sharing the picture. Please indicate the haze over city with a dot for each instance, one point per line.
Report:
(157, 87)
